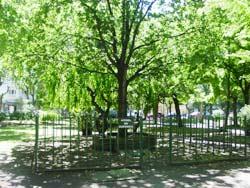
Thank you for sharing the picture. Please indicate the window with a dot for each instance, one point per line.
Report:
(12, 91)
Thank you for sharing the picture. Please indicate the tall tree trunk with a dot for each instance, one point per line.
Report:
(245, 88)
(146, 111)
(105, 121)
(169, 110)
(155, 110)
(246, 96)
(122, 96)
(177, 109)
(211, 109)
(228, 101)
(122, 99)
(227, 112)
(201, 109)
(235, 100)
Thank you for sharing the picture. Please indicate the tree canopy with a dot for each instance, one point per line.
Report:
(92, 54)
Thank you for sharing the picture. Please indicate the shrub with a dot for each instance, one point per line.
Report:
(49, 116)
(29, 115)
(21, 116)
(2, 116)
(17, 116)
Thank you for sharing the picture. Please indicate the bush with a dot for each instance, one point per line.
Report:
(29, 115)
(2, 117)
(21, 116)
(49, 116)
(17, 116)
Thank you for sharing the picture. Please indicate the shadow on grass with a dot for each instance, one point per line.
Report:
(13, 136)
(16, 133)
(16, 170)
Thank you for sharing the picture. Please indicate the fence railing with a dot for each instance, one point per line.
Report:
(88, 142)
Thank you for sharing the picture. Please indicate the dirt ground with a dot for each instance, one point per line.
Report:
(16, 163)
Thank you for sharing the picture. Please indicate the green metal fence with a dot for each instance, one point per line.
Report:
(90, 142)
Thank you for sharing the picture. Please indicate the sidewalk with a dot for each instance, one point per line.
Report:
(15, 172)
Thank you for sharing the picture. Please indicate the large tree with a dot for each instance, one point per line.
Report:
(96, 37)
(117, 28)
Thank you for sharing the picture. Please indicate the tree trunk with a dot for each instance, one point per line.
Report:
(228, 101)
(146, 111)
(227, 113)
(246, 96)
(201, 109)
(177, 109)
(211, 109)
(235, 100)
(170, 109)
(155, 110)
(122, 99)
(102, 122)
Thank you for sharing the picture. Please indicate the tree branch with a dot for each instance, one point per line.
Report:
(84, 69)
(93, 100)
(139, 70)
(114, 44)
(136, 31)
(99, 31)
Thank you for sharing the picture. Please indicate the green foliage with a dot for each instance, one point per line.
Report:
(76, 55)
(49, 116)
(21, 116)
(2, 116)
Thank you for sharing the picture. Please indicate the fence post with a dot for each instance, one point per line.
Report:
(78, 134)
(170, 141)
(245, 140)
(36, 142)
(70, 129)
(140, 142)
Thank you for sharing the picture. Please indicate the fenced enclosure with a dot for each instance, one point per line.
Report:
(86, 142)
(76, 143)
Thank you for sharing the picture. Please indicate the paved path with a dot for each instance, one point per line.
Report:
(15, 164)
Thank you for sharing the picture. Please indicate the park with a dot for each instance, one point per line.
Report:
(124, 93)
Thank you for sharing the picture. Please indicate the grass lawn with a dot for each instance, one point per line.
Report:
(17, 133)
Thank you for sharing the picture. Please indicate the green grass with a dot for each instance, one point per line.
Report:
(16, 133)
